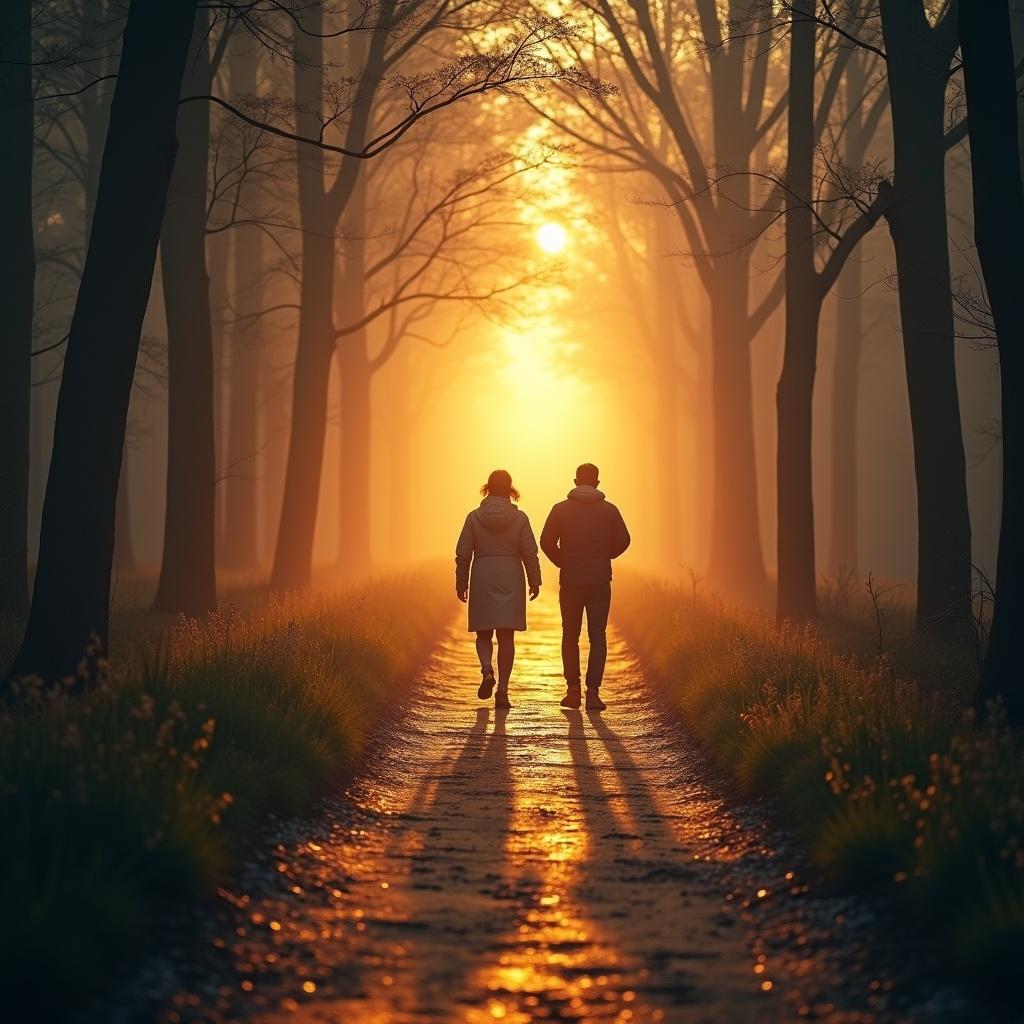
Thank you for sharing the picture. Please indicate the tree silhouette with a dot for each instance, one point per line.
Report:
(187, 581)
(918, 57)
(863, 110)
(17, 277)
(806, 289)
(70, 604)
(990, 85)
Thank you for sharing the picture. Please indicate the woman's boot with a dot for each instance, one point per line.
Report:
(486, 683)
(572, 698)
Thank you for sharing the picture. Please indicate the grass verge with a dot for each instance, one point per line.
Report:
(888, 781)
(134, 797)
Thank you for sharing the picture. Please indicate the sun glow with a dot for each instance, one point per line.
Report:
(552, 237)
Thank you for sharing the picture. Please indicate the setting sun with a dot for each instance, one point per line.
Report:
(552, 237)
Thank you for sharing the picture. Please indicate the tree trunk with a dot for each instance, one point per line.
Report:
(845, 394)
(843, 408)
(17, 281)
(274, 420)
(917, 71)
(797, 580)
(355, 376)
(736, 562)
(240, 549)
(71, 597)
(187, 571)
(41, 416)
(1017, 40)
(218, 258)
(669, 471)
(989, 79)
(95, 112)
(400, 462)
(241, 546)
(124, 545)
(672, 495)
(844, 489)
(703, 453)
(294, 552)
(320, 212)
(797, 577)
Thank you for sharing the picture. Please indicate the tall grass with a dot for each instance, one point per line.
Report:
(118, 803)
(888, 781)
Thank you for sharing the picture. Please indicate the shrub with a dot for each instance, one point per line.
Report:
(134, 796)
(889, 781)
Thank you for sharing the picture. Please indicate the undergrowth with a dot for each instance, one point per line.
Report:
(134, 797)
(887, 779)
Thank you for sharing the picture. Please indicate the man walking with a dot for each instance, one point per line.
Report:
(581, 536)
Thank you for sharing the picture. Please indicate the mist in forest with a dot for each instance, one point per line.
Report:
(405, 244)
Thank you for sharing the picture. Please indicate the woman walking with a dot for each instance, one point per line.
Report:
(498, 542)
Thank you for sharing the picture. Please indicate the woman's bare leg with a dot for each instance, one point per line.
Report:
(484, 648)
(506, 656)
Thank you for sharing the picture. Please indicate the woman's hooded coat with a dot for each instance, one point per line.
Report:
(495, 545)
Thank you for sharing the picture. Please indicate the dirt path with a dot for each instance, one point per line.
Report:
(523, 866)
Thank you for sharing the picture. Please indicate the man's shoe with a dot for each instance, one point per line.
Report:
(594, 702)
(572, 698)
(501, 698)
(486, 684)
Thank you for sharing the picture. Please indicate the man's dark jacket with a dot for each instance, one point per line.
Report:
(582, 535)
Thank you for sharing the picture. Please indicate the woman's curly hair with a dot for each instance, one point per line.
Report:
(499, 485)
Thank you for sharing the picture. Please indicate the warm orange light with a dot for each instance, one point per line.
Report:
(552, 237)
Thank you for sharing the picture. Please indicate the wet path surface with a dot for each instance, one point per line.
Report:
(529, 865)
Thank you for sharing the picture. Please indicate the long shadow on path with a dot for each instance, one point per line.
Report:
(646, 893)
(456, 903)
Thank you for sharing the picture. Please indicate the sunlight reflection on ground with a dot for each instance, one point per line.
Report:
(532, 873)
(533, 865)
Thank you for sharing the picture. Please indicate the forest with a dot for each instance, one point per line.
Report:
(284, 282)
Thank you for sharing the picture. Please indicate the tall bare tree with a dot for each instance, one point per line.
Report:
(187, 567)
(240, 546)
(991, 90)
(17, 278)
(71, 596)
(919, 53)
(862, 114)
(806, 289)
(320, 208)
